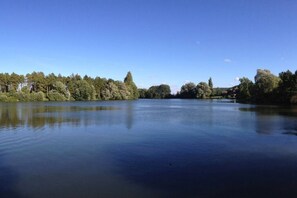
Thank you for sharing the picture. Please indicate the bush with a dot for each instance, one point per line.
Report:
(39, 96)
(3, 97)
(55, 96)
(23, 97)
(8, 97)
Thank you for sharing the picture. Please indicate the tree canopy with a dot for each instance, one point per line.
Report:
(269, 88)
(202, 90)
(37, 86)
(156, 92)
(131, 87)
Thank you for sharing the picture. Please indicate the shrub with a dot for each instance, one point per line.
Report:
(39, 96)
(3, 97)
(55, 96)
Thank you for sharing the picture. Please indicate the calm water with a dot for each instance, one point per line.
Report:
(147, 148)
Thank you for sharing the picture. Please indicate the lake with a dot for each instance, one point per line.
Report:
(147, 148)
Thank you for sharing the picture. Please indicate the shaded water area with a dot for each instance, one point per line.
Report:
(147, 148)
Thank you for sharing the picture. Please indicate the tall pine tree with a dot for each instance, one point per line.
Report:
(132, 88)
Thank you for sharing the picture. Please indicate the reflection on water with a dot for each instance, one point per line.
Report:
(56, 114)
(272, 110)
(270, 119)
(147, 148)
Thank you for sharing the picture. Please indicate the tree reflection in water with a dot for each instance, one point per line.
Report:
(14, 115)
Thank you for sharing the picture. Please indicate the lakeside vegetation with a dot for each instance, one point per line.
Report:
(267, 88)
(39, 87)
(189, 90)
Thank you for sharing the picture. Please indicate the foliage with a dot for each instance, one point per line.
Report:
(37, 86)
(188, 90)
(99, 85)
(132, 88)
(142, 93)
(265, 88)
(287, 87)
(111, 92)
(269, 88)
(219, 91)
(4, 82)
(59, 92)
(37, 96)
(158, 92)
(203, 90)
(3, 97)
(210, 84)
(245, 89)
(265, 81)
(24, 97)
(82, 90)
(56, 96)
(37, 82)
(124, 92)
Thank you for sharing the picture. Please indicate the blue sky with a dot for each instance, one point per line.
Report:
(159, 41)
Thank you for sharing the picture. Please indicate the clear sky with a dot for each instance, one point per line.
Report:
(159, 41)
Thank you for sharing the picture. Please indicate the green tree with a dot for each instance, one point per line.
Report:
(188, 90)
(15, 80)
(158, 92)
(152, 92)
(287, 87)
(37, 96)
(50, 80)
(110, 91)
(4, 82)
(37, 82)
(142, 93)
(82, 90)
(245, 89)
(124, 92)
(89, 79)
(265, 81)
(99, 84)
(59, 92)
(73, 87)
(132, 88)
(164, 91)
(266, 85)
(203, 90)
(210, 84)
(71, 83)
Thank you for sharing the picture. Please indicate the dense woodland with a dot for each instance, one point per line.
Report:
(39, 87)
(267, 88)
(189, 90)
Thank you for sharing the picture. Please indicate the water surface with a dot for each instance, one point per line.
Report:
(147, 148)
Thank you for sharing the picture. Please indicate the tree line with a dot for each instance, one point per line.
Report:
(189, 90)
(37, 86)
(268, 88)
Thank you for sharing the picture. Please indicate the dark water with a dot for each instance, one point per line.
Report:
(147, 148)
